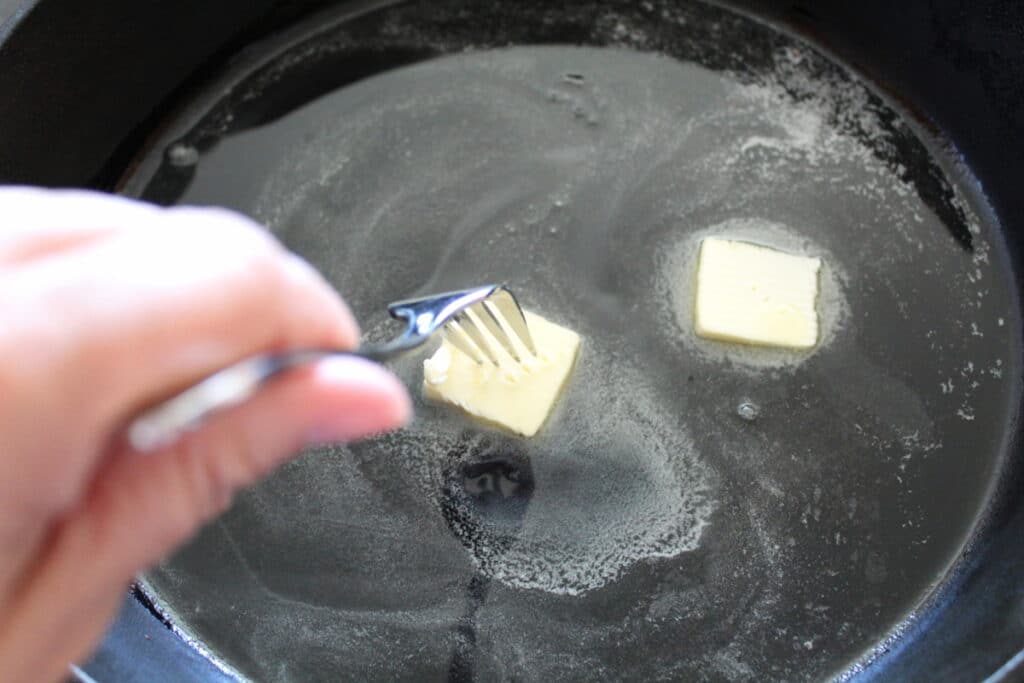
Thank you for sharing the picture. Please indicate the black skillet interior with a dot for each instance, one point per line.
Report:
(980, 603)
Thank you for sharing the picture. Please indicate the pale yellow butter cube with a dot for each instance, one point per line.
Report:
(756, 295)
(517, 396)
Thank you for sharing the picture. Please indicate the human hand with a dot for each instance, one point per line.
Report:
(107, 305)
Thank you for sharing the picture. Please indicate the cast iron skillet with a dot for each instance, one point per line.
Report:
(972, 628)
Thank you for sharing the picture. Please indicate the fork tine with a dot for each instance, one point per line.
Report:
(468, 325)
(458, 338)
(486, 316)
(507, 306)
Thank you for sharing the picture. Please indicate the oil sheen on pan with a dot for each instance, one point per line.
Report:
(691, 509)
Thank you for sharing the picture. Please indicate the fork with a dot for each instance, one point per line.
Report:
(493, 307)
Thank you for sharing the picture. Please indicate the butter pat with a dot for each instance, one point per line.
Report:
(755, 295)
(517, 396)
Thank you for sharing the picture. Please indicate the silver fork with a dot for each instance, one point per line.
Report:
(492, 306)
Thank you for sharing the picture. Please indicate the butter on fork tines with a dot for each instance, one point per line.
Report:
(517, 394)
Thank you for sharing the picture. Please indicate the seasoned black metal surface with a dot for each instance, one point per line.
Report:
(793, 543)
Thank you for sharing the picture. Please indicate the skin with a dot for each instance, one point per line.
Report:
(106, 306)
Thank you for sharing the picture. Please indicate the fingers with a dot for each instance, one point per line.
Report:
(158, 500)
(142, 506)
(130, 305)
(38, 222)
(207, 288)
(124, 320)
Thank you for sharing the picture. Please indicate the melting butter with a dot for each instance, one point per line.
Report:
(756, 295)
(516, 395)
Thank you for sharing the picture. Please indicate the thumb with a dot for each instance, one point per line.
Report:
(140, 507)
(165, 496)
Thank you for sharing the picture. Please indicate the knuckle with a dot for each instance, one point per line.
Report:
(267, 267)
(179, 519)
(218, 463)
(243, 255)
(222, 228)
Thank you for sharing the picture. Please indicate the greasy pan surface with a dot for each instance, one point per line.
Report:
(650, 530)
(786, 580)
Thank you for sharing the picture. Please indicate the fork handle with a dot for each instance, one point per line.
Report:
(166, 421)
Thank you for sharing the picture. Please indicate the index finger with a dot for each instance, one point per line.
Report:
(38, 222)
(123, 321)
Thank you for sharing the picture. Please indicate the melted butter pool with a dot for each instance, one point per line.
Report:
(652, 529)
